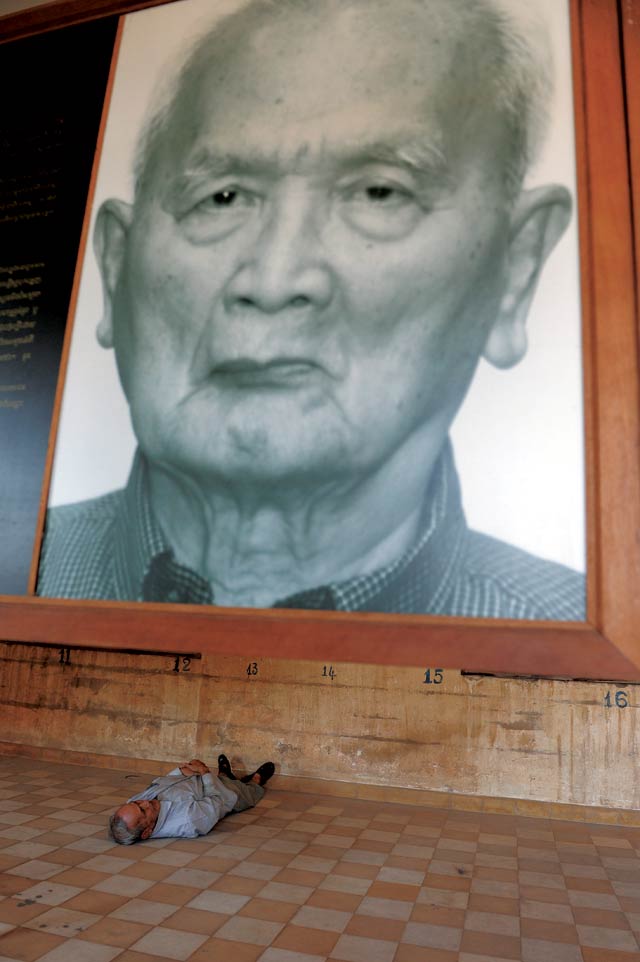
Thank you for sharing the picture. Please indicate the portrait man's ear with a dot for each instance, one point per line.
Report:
(110, 242)
(538, 221)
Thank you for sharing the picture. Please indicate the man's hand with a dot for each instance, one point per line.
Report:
(199, 767)
(194, 767)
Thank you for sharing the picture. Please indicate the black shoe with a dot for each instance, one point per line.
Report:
(265, 772)
(224, 767)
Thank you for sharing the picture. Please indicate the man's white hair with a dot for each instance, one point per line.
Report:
(516, 57)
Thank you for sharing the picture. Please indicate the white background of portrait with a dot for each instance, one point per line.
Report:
(519, 436)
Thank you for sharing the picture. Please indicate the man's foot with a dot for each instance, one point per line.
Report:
(224, 767)
(261, 775)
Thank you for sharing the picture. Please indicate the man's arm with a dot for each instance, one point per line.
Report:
(188, 818)
(206, 785)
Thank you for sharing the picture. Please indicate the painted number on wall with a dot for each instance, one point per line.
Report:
(182, 664)
(252, 668)
(433, 679)
(618, 700)
(328, 672)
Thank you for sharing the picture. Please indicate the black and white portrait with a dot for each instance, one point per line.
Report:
(326, 352)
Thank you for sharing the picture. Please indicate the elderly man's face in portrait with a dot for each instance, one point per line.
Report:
(322, 247)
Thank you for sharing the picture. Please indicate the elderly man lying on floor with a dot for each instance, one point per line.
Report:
(187, 802)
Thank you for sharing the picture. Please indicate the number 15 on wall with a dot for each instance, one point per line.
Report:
(433, 679)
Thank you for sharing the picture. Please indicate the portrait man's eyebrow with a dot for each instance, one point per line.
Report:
(422, 159)
(330, 228)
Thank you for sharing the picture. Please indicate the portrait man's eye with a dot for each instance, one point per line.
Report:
(383, 211)
(223, 198)
(217, 213)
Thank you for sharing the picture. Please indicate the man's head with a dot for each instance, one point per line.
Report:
(134, 821)
(329, 231)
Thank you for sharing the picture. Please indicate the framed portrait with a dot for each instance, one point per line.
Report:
(335, 387)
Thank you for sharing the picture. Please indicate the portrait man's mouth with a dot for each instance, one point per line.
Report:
(278, 372)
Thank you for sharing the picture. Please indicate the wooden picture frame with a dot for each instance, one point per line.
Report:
(605, 644)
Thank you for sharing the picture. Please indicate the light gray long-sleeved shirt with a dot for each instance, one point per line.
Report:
(190, 805)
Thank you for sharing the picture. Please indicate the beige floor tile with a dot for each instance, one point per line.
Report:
(169, 943)
(79, 951)
(353, 948)
(148, 871)
(545, 911)
(215, 948)
(92, 844)
(492, 922)
(170, 857)
(255, 870)
(191, 877)
(251, 930)
(127, 885)
(140, 910)
(345, 883)
(298, 894)
(285, 955)
(607, 938)
(385, 908)
(329, 920)
(48, 893)
(27, 850)
(444, 897)
(226, 903)
(62, 921)
(107, 864)
(196, 920)
(117, 932)
(36, 869)
(534, 950)
(432, 936)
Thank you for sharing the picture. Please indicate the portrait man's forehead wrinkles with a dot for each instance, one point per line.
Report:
(491, 75)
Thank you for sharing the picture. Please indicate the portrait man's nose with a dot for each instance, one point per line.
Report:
(283, 264)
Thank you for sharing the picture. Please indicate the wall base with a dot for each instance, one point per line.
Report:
(335, 788)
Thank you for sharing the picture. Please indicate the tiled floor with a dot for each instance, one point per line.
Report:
(305, 878)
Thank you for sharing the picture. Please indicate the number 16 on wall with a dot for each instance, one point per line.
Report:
(619, 700)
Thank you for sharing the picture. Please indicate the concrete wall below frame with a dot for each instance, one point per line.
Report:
(550, 741)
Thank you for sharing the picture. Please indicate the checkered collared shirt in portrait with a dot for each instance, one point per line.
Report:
(112, 548)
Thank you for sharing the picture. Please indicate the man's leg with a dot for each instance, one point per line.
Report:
(249, 793)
